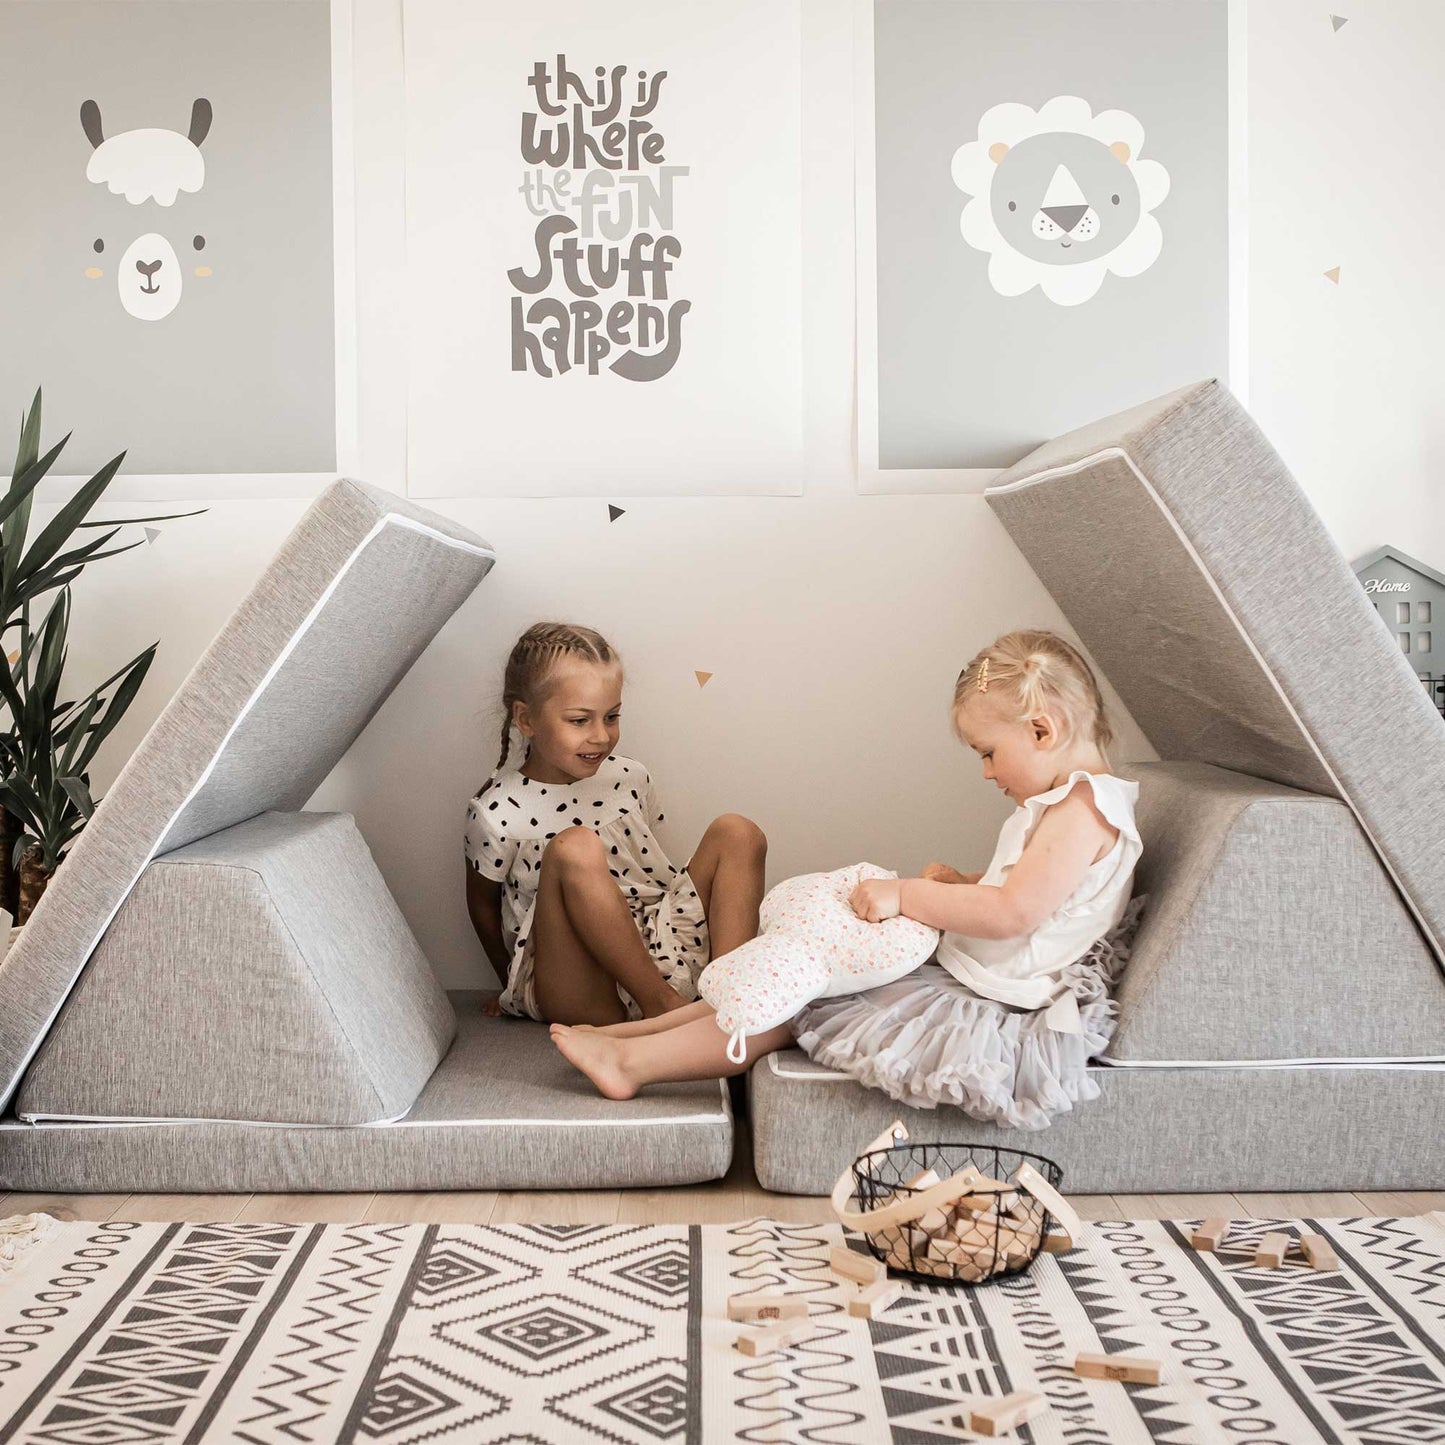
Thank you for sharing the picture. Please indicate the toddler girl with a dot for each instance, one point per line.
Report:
(1060, 878)
(572, 896)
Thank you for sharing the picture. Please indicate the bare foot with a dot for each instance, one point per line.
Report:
(598, 1057)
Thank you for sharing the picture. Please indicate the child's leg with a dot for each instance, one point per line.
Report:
(636, 1028)
(585, 942)
(696, 1050)
(727, 870)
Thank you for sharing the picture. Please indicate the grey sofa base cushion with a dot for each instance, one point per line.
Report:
(1272, 931)
(1152, 1131)
(262, 973)
(503, 1111)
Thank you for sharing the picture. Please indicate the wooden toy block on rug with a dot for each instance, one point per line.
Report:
(1210, 1235)
(1132, 1369)
(1002, 1415)
(860, 1268)
(768, 1340)
(1318, 1251)
(869, 1303)
(1269, 1253)
(767, 1307)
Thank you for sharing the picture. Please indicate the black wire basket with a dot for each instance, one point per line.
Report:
(959, 1244)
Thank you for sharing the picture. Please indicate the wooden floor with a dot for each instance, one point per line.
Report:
(736, 1197)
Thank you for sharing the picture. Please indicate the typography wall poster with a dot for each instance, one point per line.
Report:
(603, 248)
(1046, 231)
(169, 252)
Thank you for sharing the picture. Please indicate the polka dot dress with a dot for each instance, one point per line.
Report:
(513, 818)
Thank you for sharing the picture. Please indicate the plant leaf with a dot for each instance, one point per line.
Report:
(79, 794)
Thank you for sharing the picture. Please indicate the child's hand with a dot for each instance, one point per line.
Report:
(942, 873)
(876, 899)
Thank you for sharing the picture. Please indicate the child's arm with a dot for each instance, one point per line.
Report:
(1068, 838)
(943, 873)
(484, 903)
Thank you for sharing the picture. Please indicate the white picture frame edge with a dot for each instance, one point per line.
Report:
(874, 480)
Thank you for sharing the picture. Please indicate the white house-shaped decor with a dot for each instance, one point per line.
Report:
(1409, 595)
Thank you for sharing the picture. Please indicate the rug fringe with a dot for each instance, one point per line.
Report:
(21, 1233)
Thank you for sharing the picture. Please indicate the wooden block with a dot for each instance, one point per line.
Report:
(1056, 1242)
(767, 1307)
(1002, 1415)
(1134, 1369)
(1317, 1249)
(869, 1303)
(972, 1264)
(782, 1336)
(1210, 1235)
(1271, 1251)
(924, 1179)
(862, 1268)
(936, 1221)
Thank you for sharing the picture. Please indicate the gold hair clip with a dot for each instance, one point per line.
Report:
(982, 683)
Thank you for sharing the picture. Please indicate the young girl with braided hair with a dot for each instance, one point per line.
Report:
(576, 904)
(1060, 880)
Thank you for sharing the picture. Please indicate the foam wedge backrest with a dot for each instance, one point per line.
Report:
(1207, 589)
(263, 973)
(356, 592)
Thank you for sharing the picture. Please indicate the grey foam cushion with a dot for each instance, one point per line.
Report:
(503, 1111)
(1272, 931)
(1204, 584)
(1151, 1131)
(261, 973)
(355, 593)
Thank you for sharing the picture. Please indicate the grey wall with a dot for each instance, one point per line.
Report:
(240, 376)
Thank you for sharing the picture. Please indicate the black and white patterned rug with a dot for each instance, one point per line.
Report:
(517, 1335)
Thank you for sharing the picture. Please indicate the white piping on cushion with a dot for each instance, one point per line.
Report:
(401, 1121)
(1423, 1065)
(1437, 947)
(386, 520)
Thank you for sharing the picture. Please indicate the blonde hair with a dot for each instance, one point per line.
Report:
(1037, 671)
(533, 656)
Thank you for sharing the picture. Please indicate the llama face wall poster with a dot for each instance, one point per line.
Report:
(1044, 224)
(603, 244)
(169, 261)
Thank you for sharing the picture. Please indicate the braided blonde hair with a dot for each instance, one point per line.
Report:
(1038, 671)
(533, 656)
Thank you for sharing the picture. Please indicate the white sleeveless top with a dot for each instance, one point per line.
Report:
(1027, 972)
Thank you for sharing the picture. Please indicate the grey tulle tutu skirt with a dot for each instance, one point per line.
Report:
(928, 1040)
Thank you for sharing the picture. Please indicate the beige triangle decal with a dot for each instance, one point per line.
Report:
(703, 678)
(1334, 274)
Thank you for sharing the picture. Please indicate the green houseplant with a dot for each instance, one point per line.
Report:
(46, 742)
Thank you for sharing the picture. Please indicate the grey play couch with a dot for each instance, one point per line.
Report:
(1282, 1020)
(219, 993)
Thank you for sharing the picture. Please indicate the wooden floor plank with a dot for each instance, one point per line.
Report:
(1300, 1206)
(1401, 1206)
(66, 1206)
(1178, 1206)
(305, 1209)
(457, 1207)
(182, 1208)
(1097, 1206)
(582, 1206)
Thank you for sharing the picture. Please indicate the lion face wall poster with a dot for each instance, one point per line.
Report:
(1044, 222)
(170, 260)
